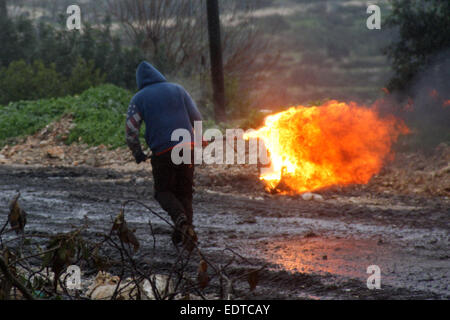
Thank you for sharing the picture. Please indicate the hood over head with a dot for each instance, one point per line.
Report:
(146, 75)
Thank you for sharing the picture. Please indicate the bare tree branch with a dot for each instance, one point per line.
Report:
(14, 281)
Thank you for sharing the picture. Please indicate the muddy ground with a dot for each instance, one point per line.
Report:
(313, 249)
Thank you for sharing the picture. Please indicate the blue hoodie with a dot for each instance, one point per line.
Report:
(163, 106)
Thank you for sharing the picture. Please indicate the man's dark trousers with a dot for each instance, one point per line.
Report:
(173, 187)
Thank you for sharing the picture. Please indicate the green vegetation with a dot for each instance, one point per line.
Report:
(424, 28)
(99, 115)
(421, 64)
(21, 81)
(40, 60)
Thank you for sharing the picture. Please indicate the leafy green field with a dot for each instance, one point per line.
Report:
(99, 115)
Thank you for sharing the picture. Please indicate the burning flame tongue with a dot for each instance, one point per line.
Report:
(334, 144)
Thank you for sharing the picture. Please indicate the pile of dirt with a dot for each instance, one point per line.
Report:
(415, 173)
(48, 147)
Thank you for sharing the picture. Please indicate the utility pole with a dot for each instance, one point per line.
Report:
(215, 52)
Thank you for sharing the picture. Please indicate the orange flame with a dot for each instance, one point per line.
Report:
(333, 144)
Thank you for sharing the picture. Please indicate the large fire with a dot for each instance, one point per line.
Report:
(333, 144)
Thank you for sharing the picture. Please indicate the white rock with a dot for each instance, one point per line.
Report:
(163, 286)
(307, 196)
(105, 285)
(317, 197)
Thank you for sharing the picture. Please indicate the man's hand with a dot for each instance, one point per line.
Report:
(140, 157)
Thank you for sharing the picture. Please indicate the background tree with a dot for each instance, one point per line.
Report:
(71, 61)
(173, 35)
(166, 30)
(424, 33)
(421, 63)
(3, 9)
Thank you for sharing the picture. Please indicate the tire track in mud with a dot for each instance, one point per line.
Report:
(314, 249)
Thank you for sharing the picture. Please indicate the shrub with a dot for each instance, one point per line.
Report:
(83, 76)
(21, 81)
(424, 29)
(61, 51)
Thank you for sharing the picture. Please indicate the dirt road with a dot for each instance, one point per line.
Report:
(314, 249)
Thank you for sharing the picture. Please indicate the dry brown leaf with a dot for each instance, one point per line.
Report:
(125, 234)
(17, 216)
(202, 275)
(252, 279)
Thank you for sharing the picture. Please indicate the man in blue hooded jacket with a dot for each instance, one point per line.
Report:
(164, 107)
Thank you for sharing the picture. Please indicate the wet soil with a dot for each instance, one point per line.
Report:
(313, 249)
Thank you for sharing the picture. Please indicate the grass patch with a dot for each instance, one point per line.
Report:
(23, 118)
(99, 115)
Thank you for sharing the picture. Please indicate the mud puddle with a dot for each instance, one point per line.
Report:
(313, 250)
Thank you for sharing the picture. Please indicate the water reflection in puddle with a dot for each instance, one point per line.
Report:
(344, 257)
